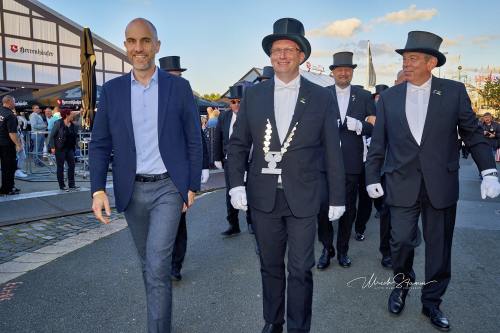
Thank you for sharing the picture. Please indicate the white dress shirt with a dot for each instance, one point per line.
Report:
(343, 100)
(231, 124)
(285, 99)
(417, 101)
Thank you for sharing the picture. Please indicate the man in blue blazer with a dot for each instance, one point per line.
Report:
(148, 120)
(414, 144)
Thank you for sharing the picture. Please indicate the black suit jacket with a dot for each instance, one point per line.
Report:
(205, 162)
(360, 106)
(316, 132)
(221, 135)
(394, 151)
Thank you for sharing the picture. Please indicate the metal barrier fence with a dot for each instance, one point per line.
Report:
(39, 161)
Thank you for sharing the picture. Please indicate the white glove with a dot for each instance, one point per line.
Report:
(354, 125)
(490, 187)
(335, 212)
(218, 165)
(239, 197)
(375, 190)
(205, 174)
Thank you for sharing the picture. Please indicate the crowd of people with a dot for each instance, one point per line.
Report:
(296, 156)
(38, 135)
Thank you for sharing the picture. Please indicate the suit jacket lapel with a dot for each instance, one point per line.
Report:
(268, 107)
(352, 100)
(401, 102)
(301, 105)
(433, 108)
(164, 87)
(227, 125)
(127, 106)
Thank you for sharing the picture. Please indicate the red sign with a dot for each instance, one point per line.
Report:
(14, 48)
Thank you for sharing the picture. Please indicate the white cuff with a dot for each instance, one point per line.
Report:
(487, 171)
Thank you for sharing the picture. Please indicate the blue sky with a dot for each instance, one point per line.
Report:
(220, 40)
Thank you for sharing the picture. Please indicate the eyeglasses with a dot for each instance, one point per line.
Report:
(287, 51)
(235, 101)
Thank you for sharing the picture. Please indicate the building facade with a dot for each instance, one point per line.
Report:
(41, 48)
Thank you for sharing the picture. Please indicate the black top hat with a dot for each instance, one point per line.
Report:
(342, 59)
(267, 73)
(425, 42)
(291, 29)
(171, 63)
(379, 88)
(236, 92)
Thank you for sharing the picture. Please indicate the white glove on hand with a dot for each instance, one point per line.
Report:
(205, 174)
(490, 187)
(375, 190)
(354, 125)
(218, 165)
(239, 197)
(335, 212)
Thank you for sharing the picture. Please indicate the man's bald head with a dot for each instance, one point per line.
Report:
(140, 20)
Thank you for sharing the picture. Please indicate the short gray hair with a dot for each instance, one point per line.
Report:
(8, 98)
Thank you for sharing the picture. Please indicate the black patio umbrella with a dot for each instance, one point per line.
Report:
(68, 95)
(87, 78)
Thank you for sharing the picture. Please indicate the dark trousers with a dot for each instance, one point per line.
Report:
(180, 245)
(232, 214)
(68, 156)
(364, 206)
(438, 225)
(8, 162)
(325, 227)
(385, 230)
(347, 220)
(274, 231)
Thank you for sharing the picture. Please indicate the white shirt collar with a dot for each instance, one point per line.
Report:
(426, 85)
(345, 90)
(294, 84)
(153, 78)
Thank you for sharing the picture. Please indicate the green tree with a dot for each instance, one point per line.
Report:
(491, 93)
(212, 96)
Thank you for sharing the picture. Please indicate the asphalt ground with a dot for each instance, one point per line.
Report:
(98, 288)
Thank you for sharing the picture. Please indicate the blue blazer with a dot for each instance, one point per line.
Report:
(178, 130)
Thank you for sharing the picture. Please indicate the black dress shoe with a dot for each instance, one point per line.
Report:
(344, 260)
(438, 320)
(232, 231)
(272, 328)
(386, 262)
(324, 260)
(359, 237)
(397, 300)
(175, 274)
(250, 229)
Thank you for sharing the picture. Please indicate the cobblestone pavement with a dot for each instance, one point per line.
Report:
(20, 239)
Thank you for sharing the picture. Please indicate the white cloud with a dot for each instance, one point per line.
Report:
(484, 39)
(321, 54)
(448, 42)
(408, 15)
(340, 28)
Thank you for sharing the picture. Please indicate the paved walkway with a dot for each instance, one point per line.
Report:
(98, 287)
